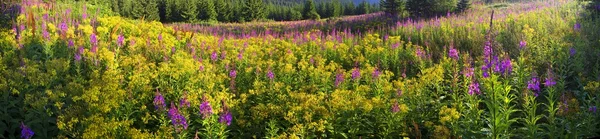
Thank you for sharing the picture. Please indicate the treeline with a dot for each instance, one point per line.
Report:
(424, 8)
(235, 10)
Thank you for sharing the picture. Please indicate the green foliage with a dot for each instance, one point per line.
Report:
(310, 11)
(393, 7)
(363, 8)
(146, 9)
(463, 5)
(206, 10)
(224, 10)
(254, 10)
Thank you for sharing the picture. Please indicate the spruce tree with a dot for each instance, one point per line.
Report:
(223, 10)
(393, 7)
(363, 8)
(206, 10)
(254, 10)
(147, 9)
(463, 5)
(310, 12)
(189, 11)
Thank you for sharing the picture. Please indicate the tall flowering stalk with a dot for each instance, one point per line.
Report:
(177, 119)
(225, 117)
(355, 74)
(453, 53)
(339, 78)
(534, 85)
(159, 101)
(94, 43)
(205, 108)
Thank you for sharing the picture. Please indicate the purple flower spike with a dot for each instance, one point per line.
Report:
(26, 132)
(339, 78)
(120, 40)
(355, 74)
(233, 73)
(270, 74)
(395, 107)
(376, 73)
(453, 53)
(550, 79)
(577, 26)
(213, 56)
(159, 101)
(474, 88)
(572, 51)
(71, 43)
(522, 44)
(177, 119)
(534, 84)
(205, 108)
(225, 117)
(78, 54)
(593, 109)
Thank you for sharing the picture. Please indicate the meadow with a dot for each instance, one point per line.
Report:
(521, 70)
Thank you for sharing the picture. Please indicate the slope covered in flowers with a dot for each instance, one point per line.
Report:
(82, 73)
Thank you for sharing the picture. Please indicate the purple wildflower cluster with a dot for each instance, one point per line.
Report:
(94, 42)
(355, 74)
(26, 132)
(120, 40)
(593, 109)
(534, 85)
(376, 73)
(159, 101)
(205, 108)
(550, 79)
(453, 53)
(522, 44)
(183, 102)
(270, 74)
(225, 116)
(395, 107)
(339, 78)
(474, 88)
(78, 54)
(177, 119)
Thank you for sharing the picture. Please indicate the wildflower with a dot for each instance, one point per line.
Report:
(233, 73)
(484, 72)
(94, 42)
(534, 85)
(577, 26)
(160, 37)
(177, 119)
(395, 45)
(159, 101)
(26, 132)
(173, 50)
(270, 74)
(487, 50)
(70, 43)
(395, 107)
(550, 79)
(572, 52)
(78, 54)
(63, 27)
(205, 108)
(355, 73)
(184, 102)
(339, 78)
(453, 53)
(120, 40)
(376, 73)
(522, 44)
(468, 72)
(398, 92)
(225, 117)
(593, 109)
(213, 56)
(474, 88)
(506, 67)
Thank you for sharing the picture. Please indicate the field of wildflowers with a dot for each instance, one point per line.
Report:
(72, 70)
